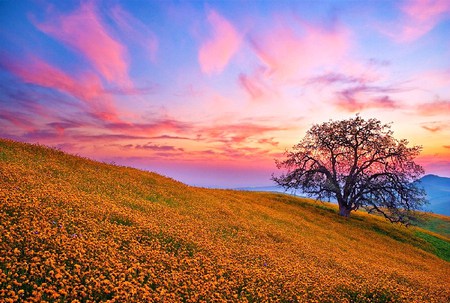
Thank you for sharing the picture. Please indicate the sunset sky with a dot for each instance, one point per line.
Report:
(211, 92)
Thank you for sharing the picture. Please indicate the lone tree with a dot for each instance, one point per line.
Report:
(360, 164)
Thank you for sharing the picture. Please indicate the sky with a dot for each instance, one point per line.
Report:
(211, 92)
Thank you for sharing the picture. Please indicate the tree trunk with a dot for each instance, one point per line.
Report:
(344, 211)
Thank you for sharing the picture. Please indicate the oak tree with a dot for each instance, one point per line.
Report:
(359, 163)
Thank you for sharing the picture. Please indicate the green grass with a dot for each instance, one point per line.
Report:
(440, 247)
(436, 224)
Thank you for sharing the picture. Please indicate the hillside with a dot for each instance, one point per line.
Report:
(75, 229)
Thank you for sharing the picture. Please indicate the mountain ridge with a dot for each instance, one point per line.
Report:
(437, 189)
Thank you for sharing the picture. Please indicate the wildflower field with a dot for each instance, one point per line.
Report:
(75, 230)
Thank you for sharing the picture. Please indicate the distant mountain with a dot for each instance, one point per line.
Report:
(438, 193)
(437, 189)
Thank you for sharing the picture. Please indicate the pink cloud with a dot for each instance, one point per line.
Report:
(435, 108)
(38, 71)
(355, 105)
(436, 126)
(17, 119)
(169, 137)
(61, 126)
(155, 147)
(84, 31)
(434, 79)
(269, 141)
(289, 54)
(216, 52)
(237, 133)
(150, 129)
(352, 73)
(136, 30)
(432, 129)
(258, 85)
(425, 10)
(253, 85)
(89, 90)
(419, 18)
(361, 97)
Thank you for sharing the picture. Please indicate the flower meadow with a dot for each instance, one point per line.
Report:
(75, 230)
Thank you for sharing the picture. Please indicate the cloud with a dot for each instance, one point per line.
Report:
(133, 91)
(269, 141)
(418, 18)
(170, 137)
(155, 147)
(242, 152)
(61, 126)
(150, 129)
(37, 71)
(432, 129)
(435, 126)
(238, 133)
(83, 31)
(433, 79)
(136, 30)
(361, 97)
(446, 146)
(88, 88)
(253, 85)
(107, 137)
(438, 107)
(351, 72)
(41, 135)
(216, 52)
(333, 78)
(258, 84)
(290, 50)
(18, 119)
(31, 98)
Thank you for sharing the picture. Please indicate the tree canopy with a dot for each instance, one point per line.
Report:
(359, 163)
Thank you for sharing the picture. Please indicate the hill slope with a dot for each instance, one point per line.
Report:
(72, 228)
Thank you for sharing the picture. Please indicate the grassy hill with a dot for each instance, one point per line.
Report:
(75, 229)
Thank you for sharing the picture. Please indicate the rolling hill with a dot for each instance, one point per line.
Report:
(76, 230)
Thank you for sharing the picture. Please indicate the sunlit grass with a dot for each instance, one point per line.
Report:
(75, 229)
(436, 223)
